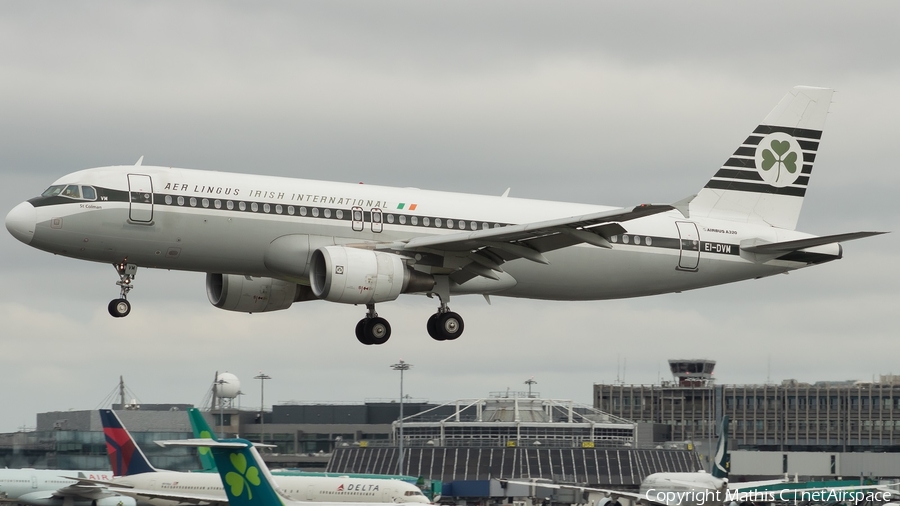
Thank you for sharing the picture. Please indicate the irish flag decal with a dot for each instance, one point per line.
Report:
(410, 207)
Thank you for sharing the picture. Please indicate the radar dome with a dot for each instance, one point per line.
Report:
(227, 385)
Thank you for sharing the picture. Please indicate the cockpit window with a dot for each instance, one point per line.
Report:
(53, 190)
(72, 191)
(88, 193)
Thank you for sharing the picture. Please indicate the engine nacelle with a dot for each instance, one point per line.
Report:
(359, 276)
(116, 500)
(252, 295)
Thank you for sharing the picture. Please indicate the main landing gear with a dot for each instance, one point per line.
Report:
(445, 325)
(120, 307)
(373, 329)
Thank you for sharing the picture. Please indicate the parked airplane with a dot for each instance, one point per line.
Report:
(137, 478)
(242, 470)
(267, 242)
(46, 487)
(202, 430)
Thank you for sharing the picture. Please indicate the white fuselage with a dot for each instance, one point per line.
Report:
(222, 222)
(203, 485)
(38, 486)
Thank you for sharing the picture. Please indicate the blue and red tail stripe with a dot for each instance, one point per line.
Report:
(125, 457)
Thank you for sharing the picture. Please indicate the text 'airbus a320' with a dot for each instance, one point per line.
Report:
(267, 242)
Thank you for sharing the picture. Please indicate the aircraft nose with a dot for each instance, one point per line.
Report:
(21, 222)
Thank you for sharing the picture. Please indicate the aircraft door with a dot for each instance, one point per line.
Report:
(34, 483)
(140, 191)
(689, 246)
(356, 217)
(377, 220)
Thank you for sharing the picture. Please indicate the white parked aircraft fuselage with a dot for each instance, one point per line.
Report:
(204, 486)
(205, 221)
(40, 486)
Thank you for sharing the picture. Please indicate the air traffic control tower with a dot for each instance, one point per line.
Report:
(692, 372)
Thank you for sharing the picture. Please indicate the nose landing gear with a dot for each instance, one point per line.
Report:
(119, 308)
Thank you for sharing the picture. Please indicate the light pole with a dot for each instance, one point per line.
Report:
(262, 377)
(401, 366)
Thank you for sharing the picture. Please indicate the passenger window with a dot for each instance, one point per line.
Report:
(402, 219)
(193, 201)
(254, 207)
(426, 221)
(437, 222)
(315, 212)
(414, 220)
(218, 204)
(242, 206)
(449, 223)
(229, 205)
(89, 193)
(339, 214)
(278, 208)
(180, 201)
(168, 200)
(291, 210)
(205, 202)
(326, 213)
(266, 208)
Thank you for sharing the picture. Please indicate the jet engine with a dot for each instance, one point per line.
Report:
(253, 295)
(116, 500)
(359, 276)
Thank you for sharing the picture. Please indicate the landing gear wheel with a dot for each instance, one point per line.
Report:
(448, 325)
(377, 330)
(119, 308)
(360, 332)
(431, 326)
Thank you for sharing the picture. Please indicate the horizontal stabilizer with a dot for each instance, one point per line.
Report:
(788, 246)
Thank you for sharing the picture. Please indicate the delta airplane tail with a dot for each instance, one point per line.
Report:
(722, 462)
(765, 180)
(125, 457)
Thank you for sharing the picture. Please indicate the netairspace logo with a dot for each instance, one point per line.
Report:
(702, 497)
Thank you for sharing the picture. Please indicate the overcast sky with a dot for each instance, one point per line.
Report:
(615, 103)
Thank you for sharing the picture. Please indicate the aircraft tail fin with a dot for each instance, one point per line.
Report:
(765, 180)
(247, 480)
(125, 457)
(202, 430)
(722, 462)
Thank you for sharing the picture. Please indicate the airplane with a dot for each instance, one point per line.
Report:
(202, 430)
(267, 242)
(49, 487)
(701, 488)
(243, 470)
(135, 477)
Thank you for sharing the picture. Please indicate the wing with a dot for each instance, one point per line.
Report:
(482, 251)
(111, 487)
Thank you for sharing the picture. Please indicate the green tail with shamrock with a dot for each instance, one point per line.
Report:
(246, 478)
(766, 178)
(202, 430)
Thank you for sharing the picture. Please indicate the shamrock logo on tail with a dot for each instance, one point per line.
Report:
(205, 435)
(243, 476)
(776, 156)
